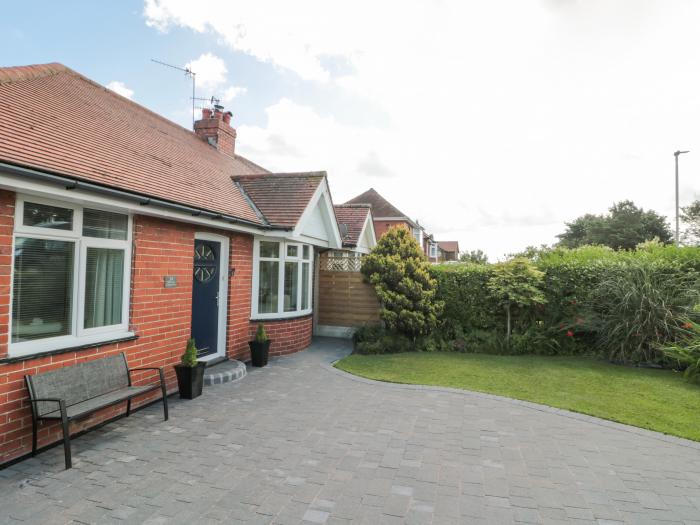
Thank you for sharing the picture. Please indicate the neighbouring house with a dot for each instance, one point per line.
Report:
(432, 249)
(124, 232)
(449, 251)
(356, 227)
(385, 215)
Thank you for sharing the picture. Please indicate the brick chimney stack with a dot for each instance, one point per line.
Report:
(215, 128)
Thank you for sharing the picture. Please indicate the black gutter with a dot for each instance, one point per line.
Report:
(70, 183)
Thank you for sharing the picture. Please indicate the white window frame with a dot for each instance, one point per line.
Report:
(79, 336)
(433, 250)
(280, 313)
(419, 238)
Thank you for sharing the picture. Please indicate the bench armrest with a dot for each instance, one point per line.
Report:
(61, 406)
(161, 374)
(148, 368)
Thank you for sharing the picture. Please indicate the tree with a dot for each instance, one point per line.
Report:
(532, 253)
(398, 270)
(622, 228)
(474, 256)
(516, 283)
(690, 215)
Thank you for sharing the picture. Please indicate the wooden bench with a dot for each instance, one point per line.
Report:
(75, 392)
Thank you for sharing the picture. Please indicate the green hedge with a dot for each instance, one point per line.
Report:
(584, 288)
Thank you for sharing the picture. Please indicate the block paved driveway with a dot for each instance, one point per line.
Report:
(298, 442)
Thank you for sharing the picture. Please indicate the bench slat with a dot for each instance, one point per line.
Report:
(91, 405)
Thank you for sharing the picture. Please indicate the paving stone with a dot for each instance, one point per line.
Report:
(301, 442)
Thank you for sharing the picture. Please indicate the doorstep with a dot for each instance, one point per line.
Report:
(224, 372)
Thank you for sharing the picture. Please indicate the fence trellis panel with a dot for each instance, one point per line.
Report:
(345, 299)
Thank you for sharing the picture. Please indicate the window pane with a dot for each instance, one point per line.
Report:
(43, 286)
(104, 279)
(45, 216)
(269, 249)
(306, 252)
(291, 282)
(305, 285)
(292, 251)
(268, 288)
(105, 224)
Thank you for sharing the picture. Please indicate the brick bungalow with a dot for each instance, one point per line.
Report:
(121, 231)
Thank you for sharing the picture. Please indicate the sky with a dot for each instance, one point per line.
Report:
(491, 122)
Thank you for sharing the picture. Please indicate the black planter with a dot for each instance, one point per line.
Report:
(259, 352)
(190, 380)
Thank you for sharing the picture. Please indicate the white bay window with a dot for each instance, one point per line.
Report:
(281, 279)
(70, 276)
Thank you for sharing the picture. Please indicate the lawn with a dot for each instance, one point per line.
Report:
(655, 399)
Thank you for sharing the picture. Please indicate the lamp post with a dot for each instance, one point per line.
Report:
(676, 154)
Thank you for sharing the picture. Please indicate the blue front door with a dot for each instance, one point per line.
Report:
(205, 296)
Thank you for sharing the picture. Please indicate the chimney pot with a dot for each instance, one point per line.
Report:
(215, 128)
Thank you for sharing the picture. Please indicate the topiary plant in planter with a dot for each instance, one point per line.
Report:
(190, 373)
(260, 347)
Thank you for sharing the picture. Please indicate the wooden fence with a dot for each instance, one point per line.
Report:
(345, 301)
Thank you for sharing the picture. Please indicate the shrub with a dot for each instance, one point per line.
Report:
(579, 314)
(460, 287)
(189, 356)
(398, 270)
(371, 340)
(638, 306)
(261, 334)
(686, 350)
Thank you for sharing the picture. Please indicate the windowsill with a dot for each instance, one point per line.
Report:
(280, 317)
(126, 336)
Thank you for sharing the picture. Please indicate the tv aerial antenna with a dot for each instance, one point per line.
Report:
(212, 101)
(188, 73)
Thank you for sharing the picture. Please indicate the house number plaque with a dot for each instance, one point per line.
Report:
(170, 281)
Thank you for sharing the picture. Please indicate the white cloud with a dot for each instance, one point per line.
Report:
(210, 71)
(232, 92)
(120, 88)
(211, 76)
(505, 119)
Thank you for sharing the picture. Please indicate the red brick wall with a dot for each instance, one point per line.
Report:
(7, 223)
(159, 316)
(287, 335)
(381, 227)
(239, 297)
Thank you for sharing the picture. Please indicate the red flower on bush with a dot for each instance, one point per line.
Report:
(569, 333)
(573, 301)
(687, 326)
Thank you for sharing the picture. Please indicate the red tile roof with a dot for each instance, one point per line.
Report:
(380, 206)
(54, 119)
(351, 219)
(281, 197)
(449, 246)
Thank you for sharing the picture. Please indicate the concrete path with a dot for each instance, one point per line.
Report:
(300, 442)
